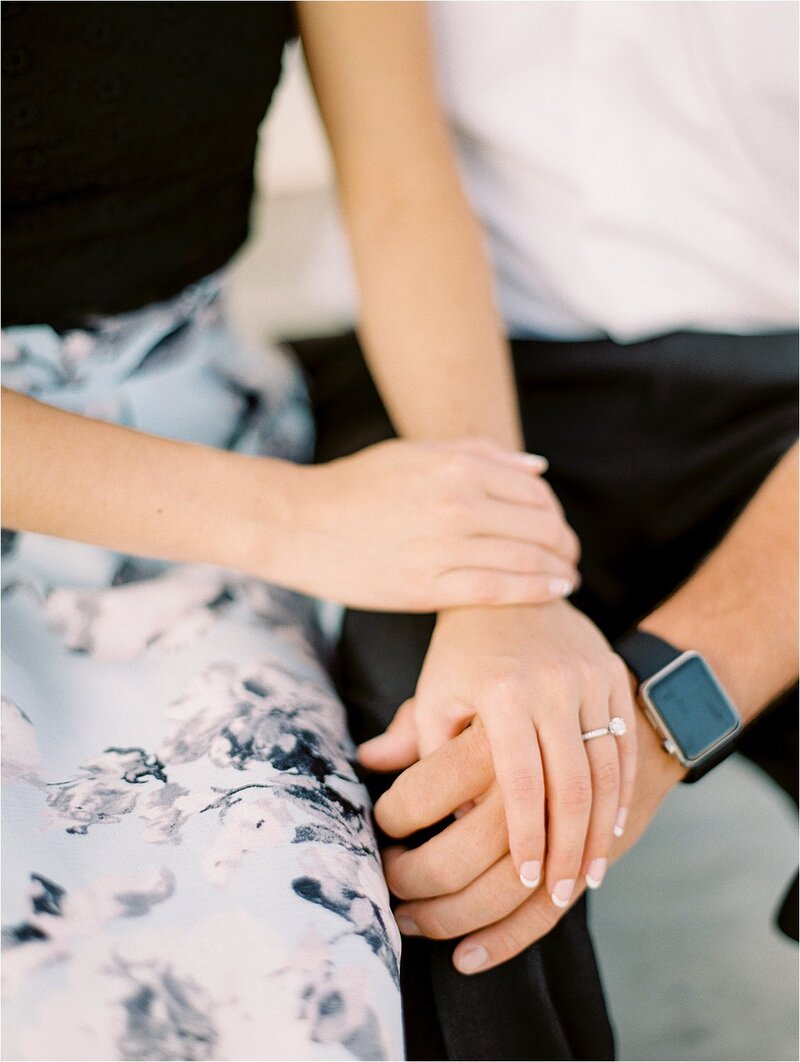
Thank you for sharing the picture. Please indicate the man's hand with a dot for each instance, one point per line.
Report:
(466, 869)
(535, 677)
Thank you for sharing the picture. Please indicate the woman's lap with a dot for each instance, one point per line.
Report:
(189, 865)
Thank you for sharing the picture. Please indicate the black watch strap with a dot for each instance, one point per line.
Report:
(645, 654)
(694, 774)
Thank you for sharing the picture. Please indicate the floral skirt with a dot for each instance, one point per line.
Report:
(189, 868)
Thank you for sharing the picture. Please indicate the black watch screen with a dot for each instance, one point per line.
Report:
(693, 707)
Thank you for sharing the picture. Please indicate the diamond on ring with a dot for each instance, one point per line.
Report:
(616, 728)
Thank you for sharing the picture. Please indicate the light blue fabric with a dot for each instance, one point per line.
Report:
(189, 869)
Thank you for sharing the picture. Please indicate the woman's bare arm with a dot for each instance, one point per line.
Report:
(404, 525)
(82, 479)
(427, 320)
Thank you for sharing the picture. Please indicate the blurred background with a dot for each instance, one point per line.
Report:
(693, 965)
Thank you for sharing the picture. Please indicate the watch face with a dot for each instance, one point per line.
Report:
(692, 705)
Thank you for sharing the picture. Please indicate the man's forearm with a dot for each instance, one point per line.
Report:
(739, 609)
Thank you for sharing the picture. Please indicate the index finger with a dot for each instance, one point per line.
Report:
(504, 939)
(433, 788)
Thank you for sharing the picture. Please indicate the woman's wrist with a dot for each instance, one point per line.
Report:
(258, 499)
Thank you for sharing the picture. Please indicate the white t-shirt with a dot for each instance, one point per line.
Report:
(634, 164)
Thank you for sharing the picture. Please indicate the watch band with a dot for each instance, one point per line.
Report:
(646, 654)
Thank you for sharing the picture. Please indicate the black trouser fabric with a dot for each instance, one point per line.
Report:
(654, 449)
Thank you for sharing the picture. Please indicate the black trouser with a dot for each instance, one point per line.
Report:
(654, 448)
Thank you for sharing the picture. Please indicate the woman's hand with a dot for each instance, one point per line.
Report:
(536, 678)
(402, 525)
(497, 916)
(421, 526)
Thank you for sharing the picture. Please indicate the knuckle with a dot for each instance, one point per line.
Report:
(396, 880)
(575, 793)
(484, 587)
(460, 467)
(511, 941)
(559, 677)
(455, 511)
(436, 868)
(522, 783)
(507, 683)
(532, 559)
(515, 556)
(550, 528)
(434, 923)
(566, 860)
(605, 777)
(442, 876)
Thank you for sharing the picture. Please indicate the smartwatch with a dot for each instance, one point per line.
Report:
(684, 700)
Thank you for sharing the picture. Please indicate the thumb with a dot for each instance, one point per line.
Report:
(396, 748)
(436, 727)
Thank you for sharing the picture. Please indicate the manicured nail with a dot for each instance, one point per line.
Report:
(472, 959)
(534, 461)
(622, 818)
(463, 809)
(560, 587)
(407, 926)
(596, 873)
(562, 893)
(529, 873)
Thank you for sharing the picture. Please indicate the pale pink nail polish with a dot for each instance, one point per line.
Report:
(562, 893)
(560, 587)
(530, 873)
(534, 461)
(596, 873)
(622, 818)
(407, 926)
(472, 959)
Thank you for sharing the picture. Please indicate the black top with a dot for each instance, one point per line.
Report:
(128, 148)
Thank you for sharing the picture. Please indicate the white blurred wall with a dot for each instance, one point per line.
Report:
(294, 155)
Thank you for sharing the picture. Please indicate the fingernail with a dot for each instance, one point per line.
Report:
(463, 809)
(596, 873)
(529, 873)
(535, 461)
(622, 818)
(407, 926)
(472, 959)
(561, 587)
(562, 893)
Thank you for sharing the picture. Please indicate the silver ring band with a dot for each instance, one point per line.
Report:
(616, 728)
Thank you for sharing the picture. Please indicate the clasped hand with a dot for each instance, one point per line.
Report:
(531, 680)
